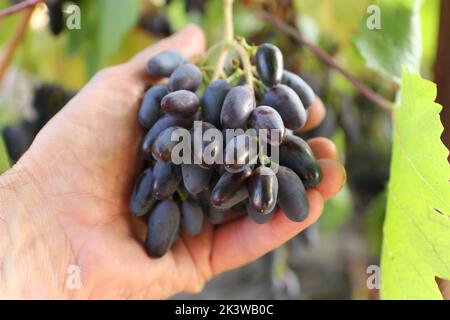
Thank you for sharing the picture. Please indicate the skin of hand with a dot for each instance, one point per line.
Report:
(65, 203)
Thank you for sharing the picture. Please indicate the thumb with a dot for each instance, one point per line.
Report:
(190, 41)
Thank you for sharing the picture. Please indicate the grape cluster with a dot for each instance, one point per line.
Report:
(173, 195)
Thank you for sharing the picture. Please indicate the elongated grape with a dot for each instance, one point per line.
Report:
(167, 176)
(227, 186)
(206, 148)
(163, 123)
(288, 104)
(237, 107)
(303, 90)
(163, 227)
(150, 107)
(240, 195)
(165, 63)
(213, 99)
(192, 217)
(164, 144)
(292, 197)
(296, 154)
(186, 77)
(215, 216)
(195, 178)
(258, 217)
(268, 119)
(263, 190)
(180, 104)
(269, 64)
(142, 199)
(241, 153)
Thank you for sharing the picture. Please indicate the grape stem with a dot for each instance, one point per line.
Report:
(327, 59)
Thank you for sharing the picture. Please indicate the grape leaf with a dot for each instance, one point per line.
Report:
(416, 243)
(398, 39)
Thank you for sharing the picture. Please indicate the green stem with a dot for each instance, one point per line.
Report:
(247, 65)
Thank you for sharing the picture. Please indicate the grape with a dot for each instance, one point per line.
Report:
(296, 154)
(192, 217)
(150, 107)
(292, 197)
(195, 178)
(163, 226)
(18, 139)
(213, 99)
(164, 144)
(142, 199)
(258, 217)
(186, 77)
(267, 118)
(269, 64)
(209, 149)
(237, 107)
(214, 216)
(165, 63)
(303, 90)
(240, 195)
(180, 104)
(167, 177)
(153, 133)
(56, 16)
(239, 153)
(227, 186)
(263, 189)
(288, 104)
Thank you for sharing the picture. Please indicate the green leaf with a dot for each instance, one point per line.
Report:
(416, 243)
(398, 42)
(5, 164)
(103, 24)
(176, 14)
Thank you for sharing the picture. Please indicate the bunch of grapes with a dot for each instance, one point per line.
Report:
(178, 195)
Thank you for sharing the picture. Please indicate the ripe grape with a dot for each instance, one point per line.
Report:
(163, 226)
(263, 189)
(208, 149)
(227, 186)
(195, 178)
(165, 63)
(237, 107)
(150, 107)
(269, 64)
(167, 177)
(180, 104)
(164, 144)
(303, 90)
(213, 99)
(292, 197)
(240, 195)
(296, 154)
(288, 104)
(240, 153)
(186, 77)
(267, 118)
(258, 217)
(192, 217)
(142, 199)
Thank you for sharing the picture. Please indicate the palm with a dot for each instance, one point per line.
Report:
(88, 154)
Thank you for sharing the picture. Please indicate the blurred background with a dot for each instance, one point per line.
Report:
(48, 64)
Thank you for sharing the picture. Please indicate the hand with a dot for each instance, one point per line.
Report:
(66, 201)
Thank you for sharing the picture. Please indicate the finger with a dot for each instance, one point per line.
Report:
(190, 41)
(334, 177)
(242, 241)
(323, 148)
(316, 113)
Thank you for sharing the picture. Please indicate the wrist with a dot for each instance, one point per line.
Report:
(33, 249)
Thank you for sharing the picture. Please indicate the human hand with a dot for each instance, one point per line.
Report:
(66, 201)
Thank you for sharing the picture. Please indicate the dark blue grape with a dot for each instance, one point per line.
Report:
(267, 118)
(292, 197)
(227, 186)
(269, 64)
(258, 217)
(165, 63)
(213, 99)
(263, 190)
(192, 217)
(303, 90)
(180, 104)
(164, 144)
(296, 154)
(142, 199)
(195, 178)
(237, 107)
(163, 227)
(186, 77)
(167, 177)
(288, 104)
(150, 107)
